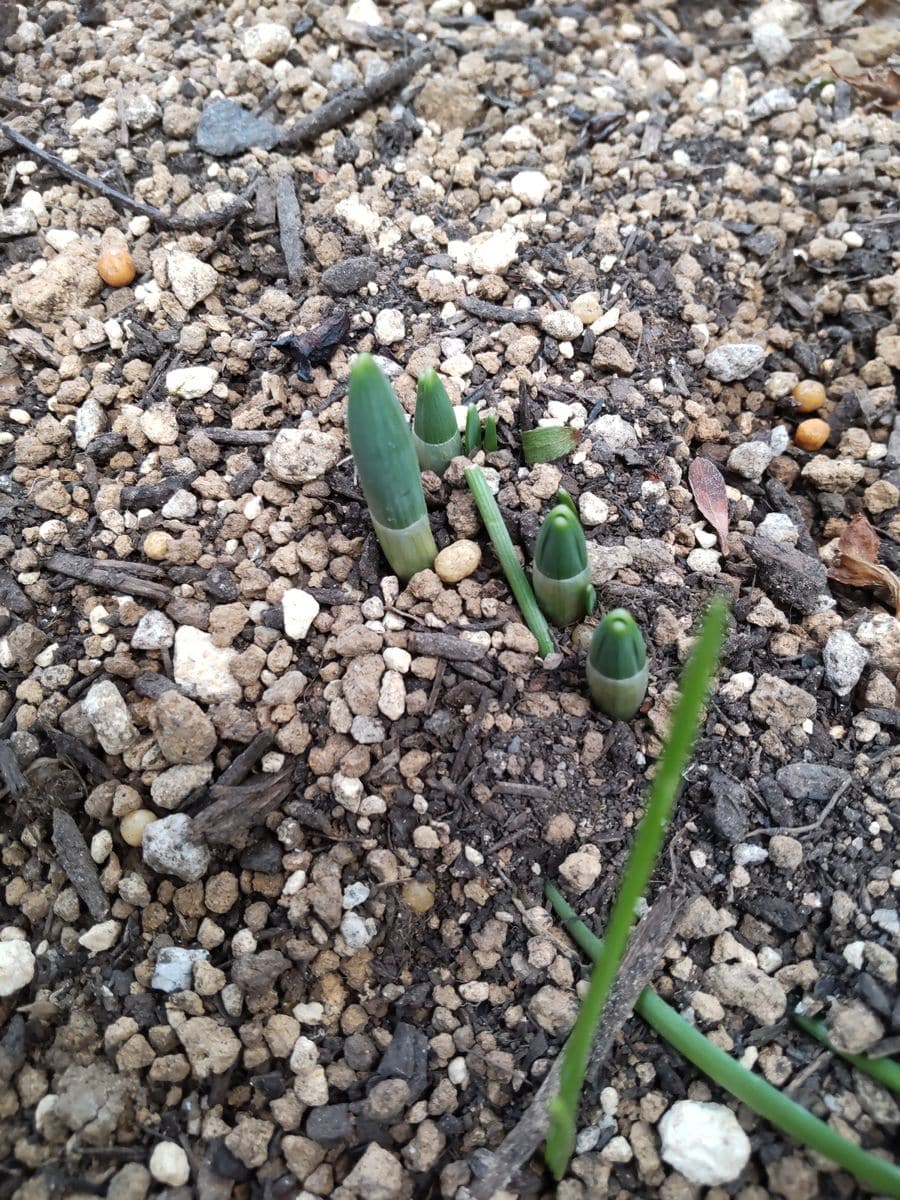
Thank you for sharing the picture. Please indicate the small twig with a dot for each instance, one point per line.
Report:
(497, 312)
(112, 575)
(471, 733)
(799, 1079)
(353, 101)
(75, 859)
(523, 789)
(289, 228)
(164, 220)
(235, 437)
(14, 104)
(793, 829)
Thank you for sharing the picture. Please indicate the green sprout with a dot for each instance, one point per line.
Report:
(694, 687)
(561, 575)
(876, 1173)
(548, 443)
(617, 667)
(473, 430)
(382, 446)
(490, 434)
(512, 568)
(435, 435)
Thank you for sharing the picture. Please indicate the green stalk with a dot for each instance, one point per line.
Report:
(560, 574)
(515, 576)
(382, 447)
(885, 1070)
(874, 1172)
(490, 434)
(473, 430)
(694, 686)
(435, 435)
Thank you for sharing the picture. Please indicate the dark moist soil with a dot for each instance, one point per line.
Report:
(499, 771)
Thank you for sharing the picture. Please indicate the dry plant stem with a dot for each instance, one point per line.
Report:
(162, 220)
(355, 100)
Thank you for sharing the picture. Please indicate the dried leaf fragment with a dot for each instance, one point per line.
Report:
(708, 487)
(858, 560)
(881, 83)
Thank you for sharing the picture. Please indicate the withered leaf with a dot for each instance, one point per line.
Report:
(881, 83)
(315, 347)
(708, 487)
(858, 563)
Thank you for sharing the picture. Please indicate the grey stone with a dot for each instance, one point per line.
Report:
(175, 785)
(254, 974)
(17, 222)
(183, 731)
(771, 43)
(775, 100)
(174, 968)
(154, 631)
(227, 128)
(750, 459)
(790, 577)
(810, 781)
(734, 361)
(330, 1124)
(349, 275)
(171, 847)
(844, 660)
(108, 713)
(301, 455)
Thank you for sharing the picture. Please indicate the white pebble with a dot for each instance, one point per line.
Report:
(169, 1164)
(100, 937)
(704, 1142)
(16, 962)
(300, 610)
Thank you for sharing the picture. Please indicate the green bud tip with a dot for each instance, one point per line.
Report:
(434, 422)
(617, 648)
(560, 550)
(473, 430)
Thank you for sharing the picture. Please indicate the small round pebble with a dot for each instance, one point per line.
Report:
(157, 544)
(809, 395)
(418, 896)
(786, 853)
(116, 267)
(457, 561)
(132, 827)
(812, 434)
(169, 1164)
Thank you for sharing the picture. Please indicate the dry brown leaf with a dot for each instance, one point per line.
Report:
(708, 487)
(859, 565)
(881, 83)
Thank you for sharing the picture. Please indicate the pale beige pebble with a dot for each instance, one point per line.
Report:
(826, 249)
(158, 545)
(67, 284)
(159, 424)
(881, 496)
(100, 937)
(587, 307)
(553, 1009)
(582, 868)
(169, 1164)
(457, 561)
(190, 278)
(833, 474)
(785, 852)
(132, 826)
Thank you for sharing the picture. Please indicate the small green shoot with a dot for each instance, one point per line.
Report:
(473, 430)
(617, 668)
(490, 434)
(512, 568)
(696, 679)
(382, 447)
(560, 574)
(871, 1170)
(435, 435)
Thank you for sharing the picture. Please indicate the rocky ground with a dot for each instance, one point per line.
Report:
(276, 826)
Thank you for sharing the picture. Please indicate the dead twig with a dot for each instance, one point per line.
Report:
(234, 809)
(290, 228)
(795, 829)
(163, 220)
(353, 101)
(465, 746)
(75, 859)
(644, 949)
(113, 575)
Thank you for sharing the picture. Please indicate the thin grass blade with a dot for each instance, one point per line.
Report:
(694, 687)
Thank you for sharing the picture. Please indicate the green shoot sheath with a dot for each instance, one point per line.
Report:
(382, 447)
(473, 430)
(617, 669)
(560, 575)
(435, 435)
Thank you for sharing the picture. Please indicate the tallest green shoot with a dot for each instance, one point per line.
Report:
(387, 469)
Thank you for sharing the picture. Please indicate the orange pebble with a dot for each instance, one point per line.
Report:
(809, 395)
(116, 267)
(812, 434)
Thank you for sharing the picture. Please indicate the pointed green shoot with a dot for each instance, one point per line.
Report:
(617, 669)
(512, 568)
(561, 575)
(473, 430)
(490, 434)
(382, 447)
(694, 687)
(874, 1172)
(435, 435)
